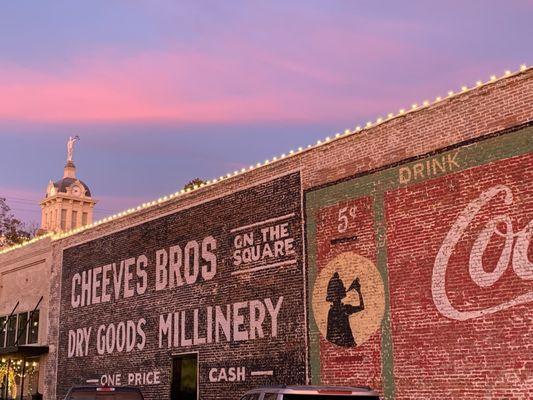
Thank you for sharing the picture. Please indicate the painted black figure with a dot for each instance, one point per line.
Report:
(339, 331)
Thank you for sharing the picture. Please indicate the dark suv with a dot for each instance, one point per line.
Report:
(104, 393)
(311, 393)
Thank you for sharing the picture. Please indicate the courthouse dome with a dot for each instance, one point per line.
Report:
(64, 183)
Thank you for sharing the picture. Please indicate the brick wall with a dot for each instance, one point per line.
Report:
(398, 210)
(460, 324)
(24, 279)
(240, 255)
(448, 236)
(477, 113)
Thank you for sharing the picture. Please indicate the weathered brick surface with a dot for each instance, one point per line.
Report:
(463, 354)
(365, 167)
(277, 346)
(477, 113)
(450, 234)
(24, 279)
(353, 232)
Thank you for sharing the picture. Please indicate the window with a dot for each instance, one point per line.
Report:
(17, 325)
(33, 329)
(74, 220)
(11, 331)
(63, 219)
(84, 218)
(184, 377)
(2, 331)
(270, 396)
(22, 331)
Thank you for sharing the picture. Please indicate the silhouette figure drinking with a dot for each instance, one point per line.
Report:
(339, 330)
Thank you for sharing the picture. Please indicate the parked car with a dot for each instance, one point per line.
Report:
(311, 393)
(104, 393)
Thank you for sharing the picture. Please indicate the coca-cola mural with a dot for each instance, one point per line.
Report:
(514, 252)
(427, 269)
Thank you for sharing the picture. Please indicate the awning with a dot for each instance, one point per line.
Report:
(23, 351)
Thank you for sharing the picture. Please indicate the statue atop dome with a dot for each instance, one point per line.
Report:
(68, 202)
(70, 147)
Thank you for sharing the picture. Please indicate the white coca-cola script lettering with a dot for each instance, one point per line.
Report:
(514, 251)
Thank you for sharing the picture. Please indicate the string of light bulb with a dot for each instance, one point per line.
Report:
(415, 107)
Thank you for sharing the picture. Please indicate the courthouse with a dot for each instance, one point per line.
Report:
(395, 254)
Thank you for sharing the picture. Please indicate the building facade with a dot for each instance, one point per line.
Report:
(24, 328)
(25, 277)
(395, 256)
(67, 203)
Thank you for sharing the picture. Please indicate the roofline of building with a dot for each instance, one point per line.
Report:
(67, 197)
(415, 108)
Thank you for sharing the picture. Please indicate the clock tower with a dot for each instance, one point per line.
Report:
(67, 203)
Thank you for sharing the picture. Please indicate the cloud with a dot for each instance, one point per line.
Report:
(237, 83)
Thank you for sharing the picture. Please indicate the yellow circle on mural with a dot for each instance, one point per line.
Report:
(348, 300)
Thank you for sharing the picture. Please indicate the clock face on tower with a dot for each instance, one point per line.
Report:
(76, 190)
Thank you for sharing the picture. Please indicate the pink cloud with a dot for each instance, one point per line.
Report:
(187, 86)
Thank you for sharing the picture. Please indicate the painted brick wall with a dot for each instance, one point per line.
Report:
(448, 234)
(337, 236)
(463, 327)
(477, 113)
(268, 215)
(364, 168)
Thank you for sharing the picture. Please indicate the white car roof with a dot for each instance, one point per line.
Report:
(308, 389)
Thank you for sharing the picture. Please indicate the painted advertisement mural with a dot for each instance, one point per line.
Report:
(222, 281)
(420, 274)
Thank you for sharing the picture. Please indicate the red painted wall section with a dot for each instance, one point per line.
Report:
(459, 260)
(348, 227)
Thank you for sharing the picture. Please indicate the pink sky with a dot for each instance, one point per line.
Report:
(163, 93)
